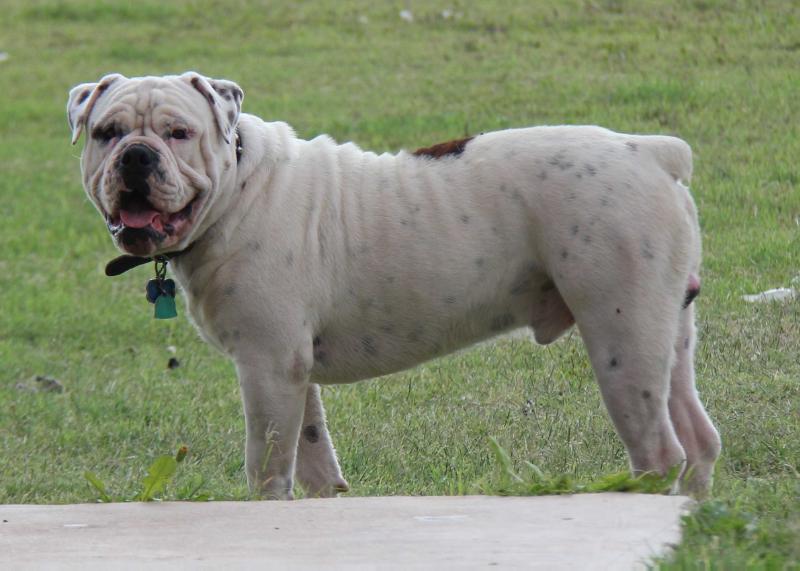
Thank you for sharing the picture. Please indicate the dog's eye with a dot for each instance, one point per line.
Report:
(105, 133)
(179, 134)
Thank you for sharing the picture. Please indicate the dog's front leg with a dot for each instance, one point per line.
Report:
(274, 395)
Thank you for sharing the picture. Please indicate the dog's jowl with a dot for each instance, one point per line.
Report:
(312, 262)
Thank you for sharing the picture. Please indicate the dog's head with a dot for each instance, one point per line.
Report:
(156, 153)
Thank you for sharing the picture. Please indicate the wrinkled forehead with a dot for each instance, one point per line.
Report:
(151, 99)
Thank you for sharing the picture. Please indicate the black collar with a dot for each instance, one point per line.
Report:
(239, 147)
(122, 264)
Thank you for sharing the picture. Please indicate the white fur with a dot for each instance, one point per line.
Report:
(322, 263)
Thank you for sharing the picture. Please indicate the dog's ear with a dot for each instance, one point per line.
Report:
(81, 101)
(225, 99)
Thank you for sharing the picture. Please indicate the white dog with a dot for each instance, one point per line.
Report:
(313, 262)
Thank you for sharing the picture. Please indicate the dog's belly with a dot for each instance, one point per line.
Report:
(383, 327)
(353, 350)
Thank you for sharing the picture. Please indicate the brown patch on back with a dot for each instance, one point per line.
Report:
(454, 148)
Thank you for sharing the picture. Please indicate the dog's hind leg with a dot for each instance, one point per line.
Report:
(317, 468)
(629, 337)
(695, 431)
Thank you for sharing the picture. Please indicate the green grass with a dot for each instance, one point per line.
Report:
(723, 75)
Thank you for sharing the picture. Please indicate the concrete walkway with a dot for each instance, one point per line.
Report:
(591, 531)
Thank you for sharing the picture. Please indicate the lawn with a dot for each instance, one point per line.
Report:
(723, 75)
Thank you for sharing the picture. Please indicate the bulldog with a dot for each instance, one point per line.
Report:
(312, 262)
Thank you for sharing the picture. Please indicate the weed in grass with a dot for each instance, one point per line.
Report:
(98, 485)
(506, 481)
(160, 473)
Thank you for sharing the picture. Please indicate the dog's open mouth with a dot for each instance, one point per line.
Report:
(139, 225)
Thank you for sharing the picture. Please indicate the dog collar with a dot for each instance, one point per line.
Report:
(239, 148)
(122, 264)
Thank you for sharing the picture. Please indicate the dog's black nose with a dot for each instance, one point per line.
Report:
(135, 165)
(139, 157)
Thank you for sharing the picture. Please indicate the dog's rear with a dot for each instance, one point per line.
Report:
(698, 437)
(674, 155)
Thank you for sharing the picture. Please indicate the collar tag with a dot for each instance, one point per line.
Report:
(165, 307)
(161, 291)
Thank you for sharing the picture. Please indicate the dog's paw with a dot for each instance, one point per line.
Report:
(341, 486)
(331, 490)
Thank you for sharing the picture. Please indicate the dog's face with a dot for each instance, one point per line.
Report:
(156, 151)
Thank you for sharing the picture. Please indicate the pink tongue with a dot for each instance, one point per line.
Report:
(141, 219)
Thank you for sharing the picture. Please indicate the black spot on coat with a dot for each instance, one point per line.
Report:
(368, 345)
(690, 295)
(311, 433)
(647, 250)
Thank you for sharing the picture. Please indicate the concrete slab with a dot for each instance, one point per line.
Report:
(590, 531)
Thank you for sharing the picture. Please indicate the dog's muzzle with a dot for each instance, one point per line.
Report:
(140, 221)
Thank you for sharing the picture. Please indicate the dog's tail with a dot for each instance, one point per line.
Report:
(674, 155)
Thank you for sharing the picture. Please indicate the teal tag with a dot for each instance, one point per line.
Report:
(165, 307)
